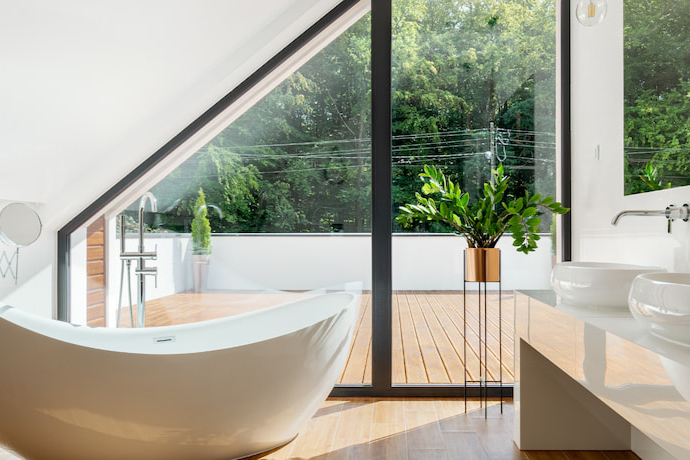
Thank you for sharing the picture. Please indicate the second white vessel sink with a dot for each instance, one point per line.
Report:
(596, 284)
(661, 301)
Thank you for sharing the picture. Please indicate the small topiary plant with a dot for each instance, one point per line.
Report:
(201, 227)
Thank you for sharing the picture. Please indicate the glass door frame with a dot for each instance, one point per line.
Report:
(381, 238)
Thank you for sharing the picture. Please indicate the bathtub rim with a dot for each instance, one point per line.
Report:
(143, 340)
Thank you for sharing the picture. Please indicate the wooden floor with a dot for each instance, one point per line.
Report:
(428, 331)
(411, 429)
(416, 429)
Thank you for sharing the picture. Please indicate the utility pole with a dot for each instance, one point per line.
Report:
(492, 142)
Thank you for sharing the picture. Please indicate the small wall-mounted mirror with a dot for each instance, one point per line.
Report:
(20, 224)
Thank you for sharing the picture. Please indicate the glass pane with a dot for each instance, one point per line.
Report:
(473, 89)
(274, 208)
(657, 83)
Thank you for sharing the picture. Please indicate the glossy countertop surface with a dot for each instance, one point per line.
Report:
(642, 377)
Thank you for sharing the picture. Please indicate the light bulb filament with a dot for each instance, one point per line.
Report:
(591, 10)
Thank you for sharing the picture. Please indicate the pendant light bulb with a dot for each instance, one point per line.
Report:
(590, 12)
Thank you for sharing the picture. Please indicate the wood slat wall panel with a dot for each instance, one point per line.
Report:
(97, 322)
(95, 273)
(95, 267)
(94, 253)
(95, 239)
(95, 296)
(95, 282)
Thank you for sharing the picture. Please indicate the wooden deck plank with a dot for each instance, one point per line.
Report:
(414, 363)
(433, 363)
(453, 307)
(492, 332)
(427, 329)
(356, 362)
(398, 351)
(367, 321)
(449, 355)
(451, 319)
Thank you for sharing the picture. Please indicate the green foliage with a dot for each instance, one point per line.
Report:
(650, 177)
(201, 228)
(484, 222)
(299, 160)
(657, 94)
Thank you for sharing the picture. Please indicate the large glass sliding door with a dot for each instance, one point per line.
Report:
(273, 208)
(473, 88)
(302, 190)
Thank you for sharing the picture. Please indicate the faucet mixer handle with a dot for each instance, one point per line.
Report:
(148, 271)
(673, 212)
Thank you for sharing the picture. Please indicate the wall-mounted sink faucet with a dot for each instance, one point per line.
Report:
(671, 213)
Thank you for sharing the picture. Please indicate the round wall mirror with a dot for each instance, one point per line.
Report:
(19, 224)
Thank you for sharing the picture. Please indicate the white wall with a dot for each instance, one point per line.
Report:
(314, 261)
(90, 90)
(597, 183)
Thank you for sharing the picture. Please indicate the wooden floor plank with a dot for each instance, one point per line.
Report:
(409, 429)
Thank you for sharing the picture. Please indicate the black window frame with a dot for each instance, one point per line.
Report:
(381, 34)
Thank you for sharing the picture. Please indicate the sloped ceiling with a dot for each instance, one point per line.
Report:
(89, 90)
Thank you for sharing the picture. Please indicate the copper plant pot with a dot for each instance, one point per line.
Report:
(483, 264)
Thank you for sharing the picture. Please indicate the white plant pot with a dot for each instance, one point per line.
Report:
(200, 271)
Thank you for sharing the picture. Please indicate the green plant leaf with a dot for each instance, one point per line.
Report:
(534, 222)
(529, 212)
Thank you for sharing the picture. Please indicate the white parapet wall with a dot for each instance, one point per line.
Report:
(314, 261)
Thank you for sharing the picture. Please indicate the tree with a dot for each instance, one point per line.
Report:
(657, 109)
(299, 160)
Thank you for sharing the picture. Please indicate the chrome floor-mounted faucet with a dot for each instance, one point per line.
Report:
(141, 256)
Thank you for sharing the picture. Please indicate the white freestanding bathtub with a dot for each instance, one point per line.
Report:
(218, 389)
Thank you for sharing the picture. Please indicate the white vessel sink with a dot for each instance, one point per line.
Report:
(661, 301)
(596, 284)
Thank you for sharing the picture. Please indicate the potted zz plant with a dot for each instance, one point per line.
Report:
(482, 223)
(201, 243)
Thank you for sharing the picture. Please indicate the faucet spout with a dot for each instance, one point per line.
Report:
(637, 212)
(670, 213)
(148, 196)
(142, 270)
(142, 204)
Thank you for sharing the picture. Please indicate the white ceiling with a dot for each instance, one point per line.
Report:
(89, 90)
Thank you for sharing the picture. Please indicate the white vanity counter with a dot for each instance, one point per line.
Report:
(595, 379)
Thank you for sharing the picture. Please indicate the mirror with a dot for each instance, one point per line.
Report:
(20, 225)
(657, 94)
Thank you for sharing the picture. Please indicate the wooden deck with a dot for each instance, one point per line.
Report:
(428, 331)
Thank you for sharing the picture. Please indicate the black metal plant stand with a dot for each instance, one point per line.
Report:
(482, 350)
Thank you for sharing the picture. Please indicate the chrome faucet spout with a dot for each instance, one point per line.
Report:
(148, 196)
(637, 212)
(142, 204)
(671, 213)
(142, 271)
